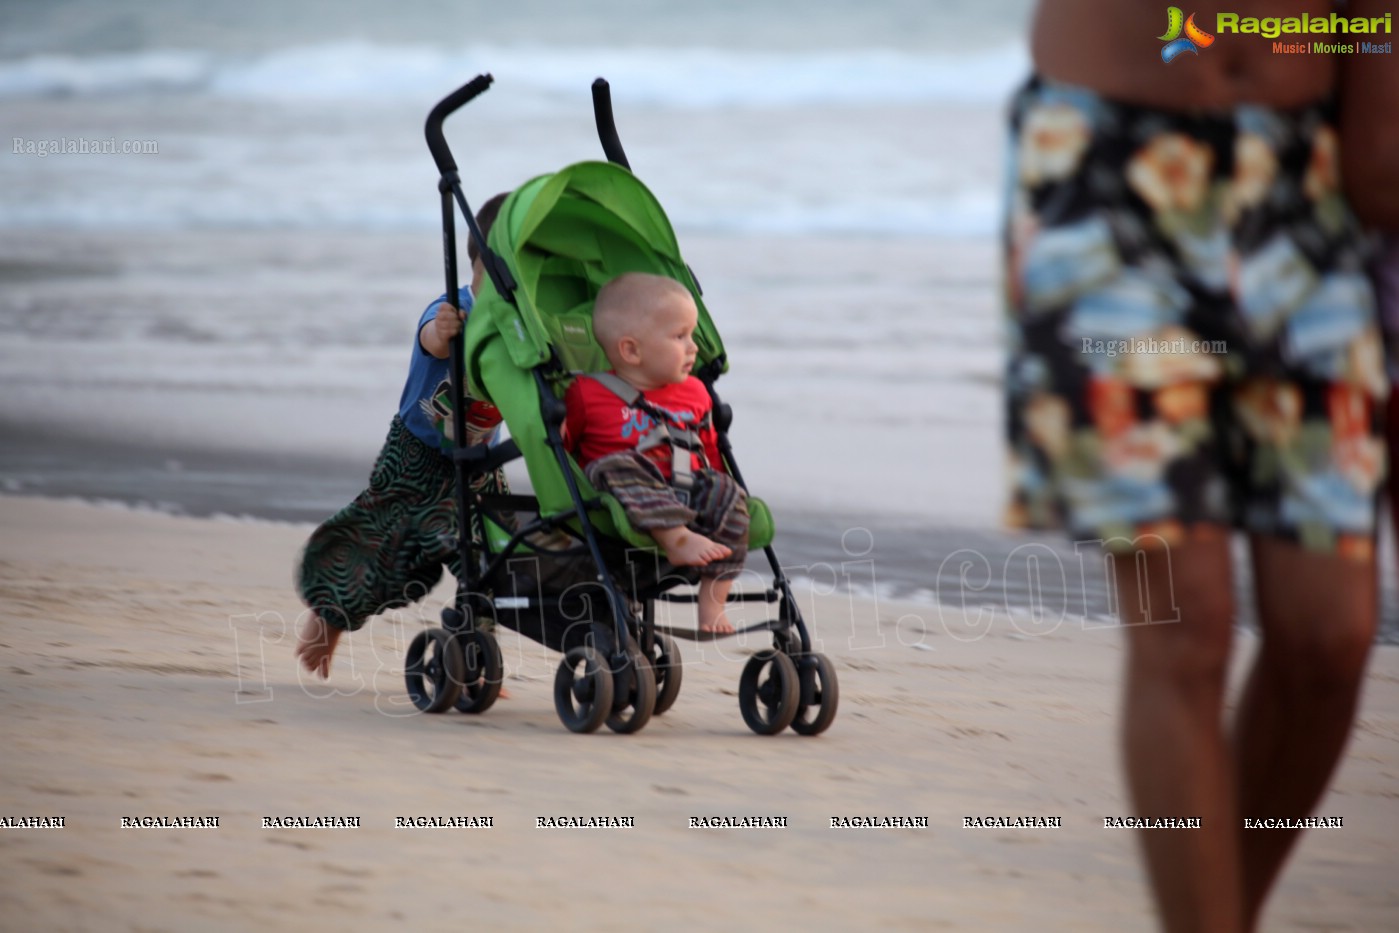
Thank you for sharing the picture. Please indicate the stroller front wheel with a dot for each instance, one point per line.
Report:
(583, 698)
(483, 671)
(432, 671)
(641, 696)
(819, 694)
(668, 668)
(768, 692)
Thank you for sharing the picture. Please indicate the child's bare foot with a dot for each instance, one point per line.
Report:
(713, 603)
(718, 624)
(685, 548)
(502, 695)
(315, 645)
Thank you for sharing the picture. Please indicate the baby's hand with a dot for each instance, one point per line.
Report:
(448, 322)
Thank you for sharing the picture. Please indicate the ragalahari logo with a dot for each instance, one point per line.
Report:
(1176, 43)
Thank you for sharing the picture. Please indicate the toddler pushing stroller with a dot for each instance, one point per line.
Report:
(590, 581)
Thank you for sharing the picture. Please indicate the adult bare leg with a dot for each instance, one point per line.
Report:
(1177, 604)
(1318, 613)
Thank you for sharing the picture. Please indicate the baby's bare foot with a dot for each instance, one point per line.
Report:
(718, 624)
(685, 548)
(713, 600)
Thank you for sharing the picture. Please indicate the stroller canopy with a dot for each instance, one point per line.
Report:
(563, 236)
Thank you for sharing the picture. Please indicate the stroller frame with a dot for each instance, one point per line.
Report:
(621, 669)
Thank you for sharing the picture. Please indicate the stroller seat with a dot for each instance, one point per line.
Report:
(568, 234)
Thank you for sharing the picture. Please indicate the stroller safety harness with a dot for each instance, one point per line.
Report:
(684, 442)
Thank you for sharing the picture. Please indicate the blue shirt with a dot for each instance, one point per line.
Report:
(425, 406)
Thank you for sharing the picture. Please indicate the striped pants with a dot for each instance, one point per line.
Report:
(717, 507)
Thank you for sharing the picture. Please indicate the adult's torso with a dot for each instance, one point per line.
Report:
(1113, 47)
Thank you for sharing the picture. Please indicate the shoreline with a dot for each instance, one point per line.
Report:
(908, 557)
(149, 675)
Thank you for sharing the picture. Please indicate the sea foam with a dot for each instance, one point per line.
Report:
(684, 78)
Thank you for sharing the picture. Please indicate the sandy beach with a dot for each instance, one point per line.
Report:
(147, 672)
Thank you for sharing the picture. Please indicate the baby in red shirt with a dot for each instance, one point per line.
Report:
(617, 428)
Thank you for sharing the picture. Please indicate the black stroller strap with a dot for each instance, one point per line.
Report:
(683, 440)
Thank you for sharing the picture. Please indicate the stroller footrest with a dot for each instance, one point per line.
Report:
(690, 634)
(766, 596)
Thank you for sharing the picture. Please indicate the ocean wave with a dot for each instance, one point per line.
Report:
(970, 213)
(974, 215)
(682, 78)
(71, 76)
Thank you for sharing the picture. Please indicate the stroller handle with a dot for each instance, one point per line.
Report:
(436, 142)
(606, 126)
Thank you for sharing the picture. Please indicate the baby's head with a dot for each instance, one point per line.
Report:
(645, 324)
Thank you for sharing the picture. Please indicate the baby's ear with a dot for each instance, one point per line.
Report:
(629, 350)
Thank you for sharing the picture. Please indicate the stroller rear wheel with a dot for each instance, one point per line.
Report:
(819, 694)
(583, 698)
(482, 671)
(640, 686)
(665, 661)
(432, 671)
(768, 692)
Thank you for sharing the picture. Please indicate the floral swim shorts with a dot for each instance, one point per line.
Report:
(1193, 340)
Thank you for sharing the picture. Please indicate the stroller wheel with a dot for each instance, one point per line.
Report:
(482, 671)
(432, 671)
(640, 683)
(819, 694)
(667, 666)
(768, 692)
(583, 698)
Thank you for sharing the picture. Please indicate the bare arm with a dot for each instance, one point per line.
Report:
(1370, 130)
(437, 334)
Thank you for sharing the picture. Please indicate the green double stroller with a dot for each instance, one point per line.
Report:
(562, 566)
